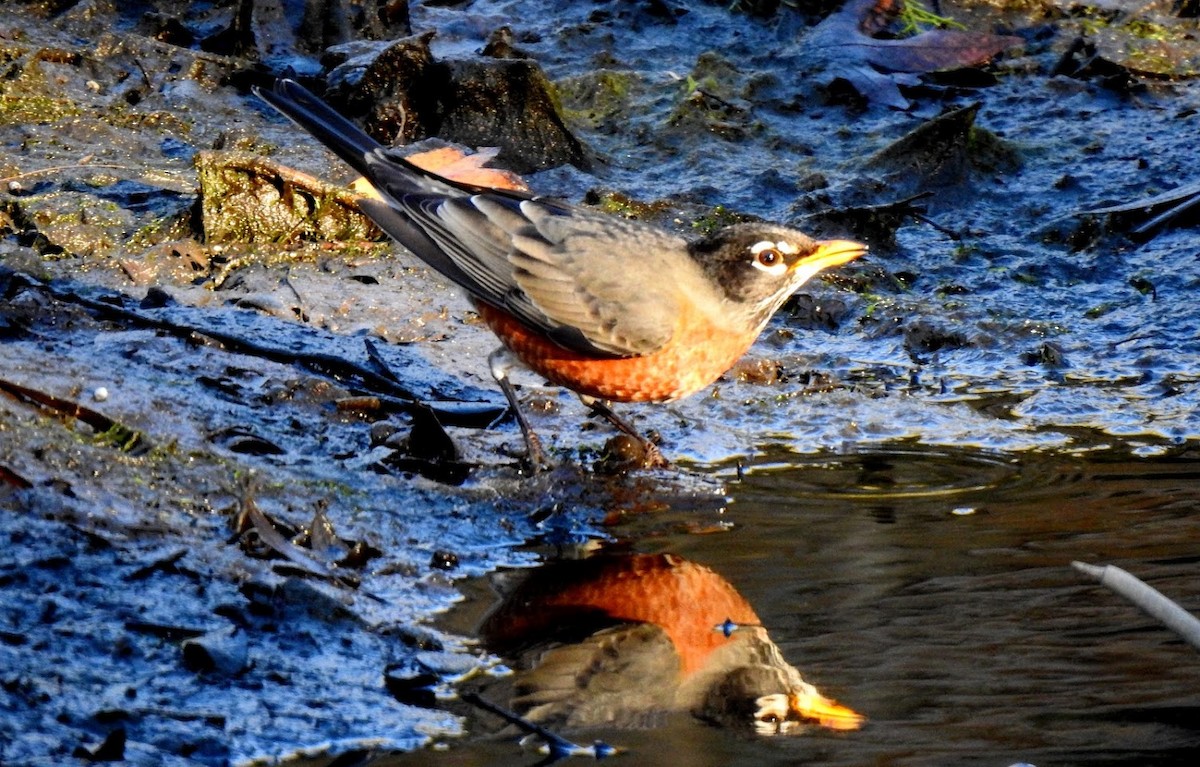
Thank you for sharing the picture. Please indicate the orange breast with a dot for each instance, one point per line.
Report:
(696, 356)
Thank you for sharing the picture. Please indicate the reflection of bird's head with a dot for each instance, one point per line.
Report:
(757, 687)
(774, 702)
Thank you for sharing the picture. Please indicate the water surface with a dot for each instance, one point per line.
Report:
(932, 591)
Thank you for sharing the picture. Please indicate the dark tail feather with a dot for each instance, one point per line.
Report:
(402, 184)
(394, 174)
(342, 137)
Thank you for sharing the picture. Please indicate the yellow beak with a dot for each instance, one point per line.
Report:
(829, 253)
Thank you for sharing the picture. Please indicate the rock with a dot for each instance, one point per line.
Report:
(406, 95)
(222, 652)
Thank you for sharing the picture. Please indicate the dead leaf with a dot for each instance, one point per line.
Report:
(455, 164)
(252, 518)
(876, 67)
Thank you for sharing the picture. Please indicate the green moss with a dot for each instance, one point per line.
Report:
(245, 199)
(125, 117)
(989, 152)
(121, 437)
(875, 303)
(1164, 59)
(1148, 30)
(33, 109)
(718, 217)
(173, 227)
(963, 251)
(1091, 26)
(596, 97)
(1154, 47)
(618, 204)
(915, 17)
(1143, 285)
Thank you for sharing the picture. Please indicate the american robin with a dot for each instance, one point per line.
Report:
(626, 639)
(612, 309)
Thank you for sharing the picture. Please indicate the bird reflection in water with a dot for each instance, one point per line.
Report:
(624, 641)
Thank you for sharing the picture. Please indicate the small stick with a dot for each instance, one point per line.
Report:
(1150, 600)
(557, 744)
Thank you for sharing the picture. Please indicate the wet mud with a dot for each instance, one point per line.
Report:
(251, 457)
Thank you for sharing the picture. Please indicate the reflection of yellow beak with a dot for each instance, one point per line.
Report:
(829, 253)
(825, 712)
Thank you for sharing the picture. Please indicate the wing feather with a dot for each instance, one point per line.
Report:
(600, 274)
(591, 281)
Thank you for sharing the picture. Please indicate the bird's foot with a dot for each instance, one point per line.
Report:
(535, 460)
(629, 449)
(625, 452)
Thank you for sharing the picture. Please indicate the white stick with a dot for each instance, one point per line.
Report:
(1149, 599)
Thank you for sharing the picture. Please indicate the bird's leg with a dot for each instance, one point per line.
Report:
(652, 455)
(500, 362)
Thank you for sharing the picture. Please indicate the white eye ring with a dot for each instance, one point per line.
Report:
(769, 256)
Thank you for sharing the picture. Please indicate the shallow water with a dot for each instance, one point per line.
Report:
(932, 591)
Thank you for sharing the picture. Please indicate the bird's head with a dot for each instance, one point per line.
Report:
(774, 700)
(758, 266)
(748, 683)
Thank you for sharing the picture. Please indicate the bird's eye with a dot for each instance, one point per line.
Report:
(771, 256)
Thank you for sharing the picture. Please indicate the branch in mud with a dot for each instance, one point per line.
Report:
(109, 431)
(393, 396)
(1143, 219)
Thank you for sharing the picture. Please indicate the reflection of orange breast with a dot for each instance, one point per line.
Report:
(695, 357)
(685, 599)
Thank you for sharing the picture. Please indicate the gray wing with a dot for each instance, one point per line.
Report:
(590, 281)
(605, 276)
(624, 676)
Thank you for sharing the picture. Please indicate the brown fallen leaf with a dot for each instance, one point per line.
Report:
(456, 165)
(876, 67)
